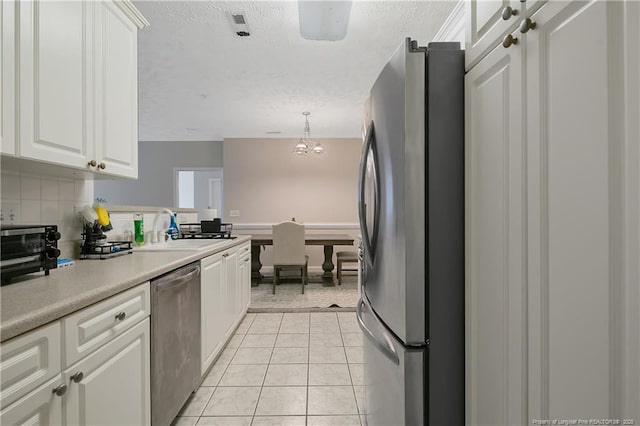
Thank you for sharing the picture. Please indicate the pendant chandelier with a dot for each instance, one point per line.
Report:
(305, 145)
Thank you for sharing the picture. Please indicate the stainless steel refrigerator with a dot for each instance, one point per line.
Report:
(411, 209)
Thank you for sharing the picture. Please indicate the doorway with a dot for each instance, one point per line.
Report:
(199, 188)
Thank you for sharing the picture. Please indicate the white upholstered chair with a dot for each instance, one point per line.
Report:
(288, 251)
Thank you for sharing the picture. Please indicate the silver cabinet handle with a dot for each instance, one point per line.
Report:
(526, 25)
(509, 40)
(102, 166)
(60, 390)
(121, 316)
(508, 12)
(77, 377)
(92, 163)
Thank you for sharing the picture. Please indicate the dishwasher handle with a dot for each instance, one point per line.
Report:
(176, 278)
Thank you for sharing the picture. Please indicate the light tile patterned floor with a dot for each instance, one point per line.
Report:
(289, 295)
(284, 369)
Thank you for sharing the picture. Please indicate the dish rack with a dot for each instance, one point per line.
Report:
(205, 229)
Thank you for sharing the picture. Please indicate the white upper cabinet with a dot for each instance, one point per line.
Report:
(56, 81)
(8, 77)
(488, 20)
(116, 52)
(78, 85)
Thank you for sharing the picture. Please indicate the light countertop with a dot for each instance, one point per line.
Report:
(34, 302)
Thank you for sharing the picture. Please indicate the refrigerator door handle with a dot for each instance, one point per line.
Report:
(368, 238)
(381, 339)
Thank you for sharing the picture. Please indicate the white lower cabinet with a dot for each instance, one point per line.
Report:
(111, 386)
(212, 294)
(244, 281)
(225, 296)
(108, 385)
(40, 407)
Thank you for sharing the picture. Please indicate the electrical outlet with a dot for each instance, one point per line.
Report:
(234, 213)
(10, 213)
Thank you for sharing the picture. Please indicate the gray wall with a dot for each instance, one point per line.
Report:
(156, 161)
(201, 188)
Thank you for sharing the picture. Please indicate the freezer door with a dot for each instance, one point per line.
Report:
(394, 375)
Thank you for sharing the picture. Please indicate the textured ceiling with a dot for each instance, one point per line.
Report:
(199, 81)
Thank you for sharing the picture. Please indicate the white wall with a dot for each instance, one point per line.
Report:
(156, 162)
(35, 199)
(268, 184)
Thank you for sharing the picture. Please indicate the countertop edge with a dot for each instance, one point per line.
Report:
(20, 324)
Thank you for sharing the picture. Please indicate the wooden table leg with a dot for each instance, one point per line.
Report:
(256, 276)
(327, 267)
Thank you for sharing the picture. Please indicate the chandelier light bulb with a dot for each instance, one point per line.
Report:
(305, 144)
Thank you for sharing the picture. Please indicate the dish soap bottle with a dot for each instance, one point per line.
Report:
(173, 232)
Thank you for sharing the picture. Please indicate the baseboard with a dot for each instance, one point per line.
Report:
(296, 310)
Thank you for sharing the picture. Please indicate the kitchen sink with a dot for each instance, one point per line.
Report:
(181, 245)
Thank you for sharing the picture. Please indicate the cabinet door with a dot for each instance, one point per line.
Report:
(29, 360)
(485, 26)
(231, 272)
(580, 225)
(212, 306)
(246, 284)
(8, 79)
(116, 143)
(243, 270)
(56, 81)
(115, 387)
(495, 241)
(40, 407)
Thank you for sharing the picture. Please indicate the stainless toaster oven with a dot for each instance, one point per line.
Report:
(26, 249)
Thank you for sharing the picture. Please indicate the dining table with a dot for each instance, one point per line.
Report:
(326, 240)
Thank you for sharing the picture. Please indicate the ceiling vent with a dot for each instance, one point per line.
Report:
(240, 26)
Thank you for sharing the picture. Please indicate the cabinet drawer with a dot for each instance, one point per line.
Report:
(96, 325)
(243, 249)
(28, 361)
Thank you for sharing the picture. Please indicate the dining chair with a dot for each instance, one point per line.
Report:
(288, 251)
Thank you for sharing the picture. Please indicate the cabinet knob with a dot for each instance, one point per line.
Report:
(92, 163)
(102, 166)
(526, 25)
(120, 316)
(60, 390)
(508, 12)
(509, 40)
(77, 377)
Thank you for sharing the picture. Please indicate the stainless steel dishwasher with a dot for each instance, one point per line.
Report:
(175, 341)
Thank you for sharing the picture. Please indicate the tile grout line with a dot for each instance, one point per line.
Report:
(223, 371)
(306, 411)
(353, 388)
(255, 410)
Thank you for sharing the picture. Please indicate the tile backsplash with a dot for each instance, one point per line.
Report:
(122, 223)
(30, 199)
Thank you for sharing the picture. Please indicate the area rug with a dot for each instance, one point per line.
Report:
(316, 298)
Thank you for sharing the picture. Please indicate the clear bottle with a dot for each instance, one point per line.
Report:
(173, 231)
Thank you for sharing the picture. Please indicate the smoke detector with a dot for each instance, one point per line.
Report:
(239, 24)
